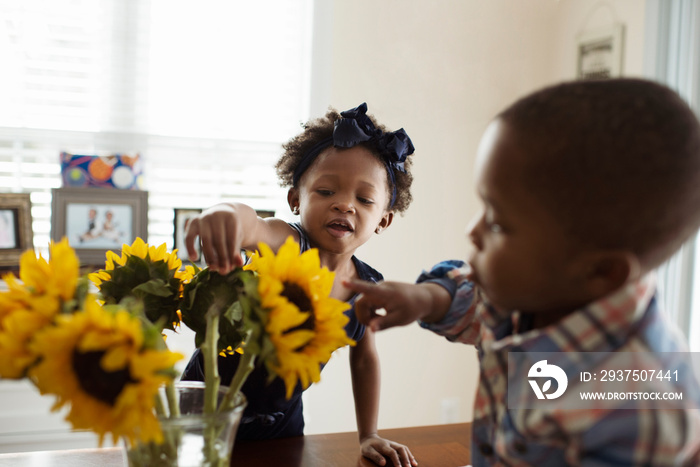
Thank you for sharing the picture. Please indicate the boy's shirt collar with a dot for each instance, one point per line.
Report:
(602, 326)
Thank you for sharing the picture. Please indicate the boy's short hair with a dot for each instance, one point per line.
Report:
(618, 161)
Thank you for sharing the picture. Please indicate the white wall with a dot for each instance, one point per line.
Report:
(441, 70)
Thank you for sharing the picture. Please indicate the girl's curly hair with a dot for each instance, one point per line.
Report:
(322, 128)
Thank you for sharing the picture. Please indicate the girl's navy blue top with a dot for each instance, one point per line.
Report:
(269, 414)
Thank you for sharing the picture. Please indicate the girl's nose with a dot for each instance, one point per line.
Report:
(344, 206)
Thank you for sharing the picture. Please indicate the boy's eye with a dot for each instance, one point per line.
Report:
(495, 228)
(324, 192)
(491, 223)
(365, 200)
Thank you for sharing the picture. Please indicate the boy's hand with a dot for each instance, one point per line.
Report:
(378, 449)
(220, 233)
(403, 303)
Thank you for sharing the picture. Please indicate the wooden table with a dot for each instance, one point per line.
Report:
(433, 446)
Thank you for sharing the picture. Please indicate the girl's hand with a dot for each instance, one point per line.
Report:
(220, 231)
(379, 449)
(403, 303)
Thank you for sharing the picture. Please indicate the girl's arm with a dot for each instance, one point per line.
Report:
(364, 369)
(227, 228)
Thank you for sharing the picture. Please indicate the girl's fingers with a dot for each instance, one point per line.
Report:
(233, 245)
(210, 256)
(375, 456)
(405, 454)
(191, 235)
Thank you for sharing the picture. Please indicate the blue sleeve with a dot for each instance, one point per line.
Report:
(459, 324)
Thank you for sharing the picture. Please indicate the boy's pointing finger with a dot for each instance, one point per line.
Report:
(382, 305)
(367, 303)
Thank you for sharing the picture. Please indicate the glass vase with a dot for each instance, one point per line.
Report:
(192, 439)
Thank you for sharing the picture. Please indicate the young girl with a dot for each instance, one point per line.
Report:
(347, 177)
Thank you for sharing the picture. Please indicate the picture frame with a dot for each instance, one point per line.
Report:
(16, 233)
(182, 216)
(96, 220)
(600, 53)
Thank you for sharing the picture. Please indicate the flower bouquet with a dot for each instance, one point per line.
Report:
(104, 358)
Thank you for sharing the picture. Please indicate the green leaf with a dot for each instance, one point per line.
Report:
(234, 313)
(156, 287)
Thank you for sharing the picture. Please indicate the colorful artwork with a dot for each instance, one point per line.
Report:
(113, 171)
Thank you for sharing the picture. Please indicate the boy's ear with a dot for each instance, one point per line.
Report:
(610, 270)
(293, 199)
(384, 222)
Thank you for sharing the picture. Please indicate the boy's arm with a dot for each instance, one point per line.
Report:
(364, 369)
(403, 303)
(458, 324)
(444, 301)
(227, 228)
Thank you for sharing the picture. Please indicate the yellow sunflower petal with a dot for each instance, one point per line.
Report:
(139, 248)
(303, 339)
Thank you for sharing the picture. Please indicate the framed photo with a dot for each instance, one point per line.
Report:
(182, 219)
(16, 234)
(599, 53)
(98, 219)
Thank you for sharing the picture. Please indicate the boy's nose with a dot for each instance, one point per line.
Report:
(472, 231)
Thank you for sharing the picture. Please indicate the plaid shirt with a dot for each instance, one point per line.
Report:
(626, 321)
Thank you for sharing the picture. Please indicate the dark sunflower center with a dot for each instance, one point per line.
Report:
(295, 294)
(102, 385)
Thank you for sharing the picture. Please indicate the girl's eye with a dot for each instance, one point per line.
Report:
(365, 200)
(324, 192)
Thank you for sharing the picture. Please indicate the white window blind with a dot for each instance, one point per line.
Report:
(671, 56)
(204, 91)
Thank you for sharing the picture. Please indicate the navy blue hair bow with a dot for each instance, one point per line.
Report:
(355, 127)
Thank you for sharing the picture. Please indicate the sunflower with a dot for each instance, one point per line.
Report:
(57, 277)
(303, 323)
(149, 273)
(46, 289)
(224, 294)
(107, 366)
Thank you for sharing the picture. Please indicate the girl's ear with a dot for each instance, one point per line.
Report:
(384, 222)
(610, 270)
(293, 200)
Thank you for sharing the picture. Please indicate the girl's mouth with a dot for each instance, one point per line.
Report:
(339, 228)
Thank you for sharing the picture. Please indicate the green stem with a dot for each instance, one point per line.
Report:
(211, 381)
(173, 402)
(245, 366)
(169, 445)
(210, 355)
(172, 438)
(160, 407)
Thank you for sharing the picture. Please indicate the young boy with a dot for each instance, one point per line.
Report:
(586, 188)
